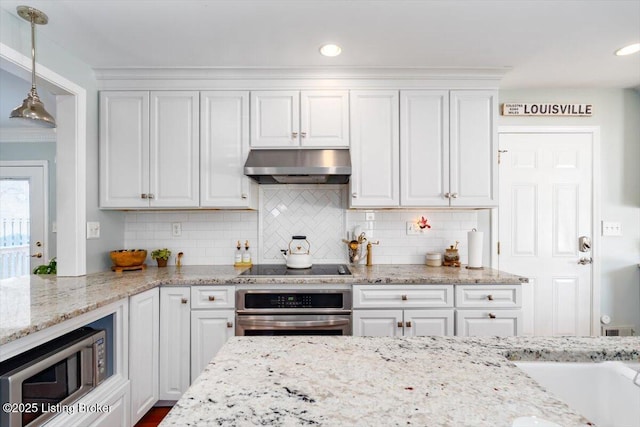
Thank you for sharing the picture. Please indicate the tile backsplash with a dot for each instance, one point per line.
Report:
(317, 211)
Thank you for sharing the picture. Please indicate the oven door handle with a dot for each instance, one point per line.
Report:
(296, 324)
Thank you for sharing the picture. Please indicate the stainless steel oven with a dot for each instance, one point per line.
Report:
(36, 384)
(293, 312)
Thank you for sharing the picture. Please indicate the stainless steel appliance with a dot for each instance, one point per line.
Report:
(293, 312)
(281, 270)
(35, 384)
(299, 166)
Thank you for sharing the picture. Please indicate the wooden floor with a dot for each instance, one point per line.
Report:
(153, 417)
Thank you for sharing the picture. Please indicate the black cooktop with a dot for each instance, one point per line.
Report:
(282, 270)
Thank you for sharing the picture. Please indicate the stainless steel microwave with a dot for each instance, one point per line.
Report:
(37, 384)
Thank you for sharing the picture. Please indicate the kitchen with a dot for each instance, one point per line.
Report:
(208, 237)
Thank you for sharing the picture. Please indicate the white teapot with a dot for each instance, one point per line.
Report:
(298, 254)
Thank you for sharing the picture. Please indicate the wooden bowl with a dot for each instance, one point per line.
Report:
(128, 257)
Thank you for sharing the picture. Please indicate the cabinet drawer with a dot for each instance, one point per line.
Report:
(498, 323)
(489, 296)
(423, 296)
(212, 297)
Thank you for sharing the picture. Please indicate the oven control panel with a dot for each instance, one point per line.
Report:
(294, 300)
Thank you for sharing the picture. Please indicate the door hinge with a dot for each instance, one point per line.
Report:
(499, 154)
(498, 248)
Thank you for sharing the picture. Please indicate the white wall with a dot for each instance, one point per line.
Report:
(617, 112)
(16, 33)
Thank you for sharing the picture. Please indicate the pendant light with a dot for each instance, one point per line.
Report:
(32, 108)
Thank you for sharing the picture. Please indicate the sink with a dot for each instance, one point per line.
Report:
(607, 393)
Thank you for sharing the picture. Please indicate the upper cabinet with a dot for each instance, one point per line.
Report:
(149, 149)
(284, 119)
(448, 148)
(224, 146)
(375, 149)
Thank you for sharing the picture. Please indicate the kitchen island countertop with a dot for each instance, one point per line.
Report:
(344, 381)
(32, 303)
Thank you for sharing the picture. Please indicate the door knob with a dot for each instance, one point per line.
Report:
(585, 261)
(37, 255)
(584, 244)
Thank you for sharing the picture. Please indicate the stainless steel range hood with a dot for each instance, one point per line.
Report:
(299, 166)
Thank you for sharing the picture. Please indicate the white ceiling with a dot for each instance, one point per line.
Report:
(548, 43)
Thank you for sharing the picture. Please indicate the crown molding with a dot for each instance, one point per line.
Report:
(27, 135)
(284, 73)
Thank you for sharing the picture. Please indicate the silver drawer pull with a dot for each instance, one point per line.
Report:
(212, 298)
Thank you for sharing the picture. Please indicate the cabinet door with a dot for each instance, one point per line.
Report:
(424, 148)
(116, 416)
(375, 149)
(275, 118)
(210, 329)
(174, 341)
(224, 146)
(473, 148)
(499, 323)
(144, 347)
(377, 323)
(174, 153)
(324, 118)
(124, 149)
(421, 323)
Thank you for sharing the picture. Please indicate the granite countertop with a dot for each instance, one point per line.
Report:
(32, 303)
(331, 381)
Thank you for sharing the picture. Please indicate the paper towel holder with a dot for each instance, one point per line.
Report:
(474, 268)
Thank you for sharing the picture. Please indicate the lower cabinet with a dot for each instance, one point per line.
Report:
(117, 415)
(394, 311)
(210, 329)
(430, 310)
(144, 338)
(175, 317)
(397, 323)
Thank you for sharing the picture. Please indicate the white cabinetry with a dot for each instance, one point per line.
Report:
(224, 146)
(212, 323)
(448, 148)
(144, 349)
(281, 119)
(149, 149)
(174, 341)
(411, 310)
(375, 149)
(486, 310)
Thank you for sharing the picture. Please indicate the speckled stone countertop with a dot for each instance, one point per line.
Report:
(32, 303)
(357, 381)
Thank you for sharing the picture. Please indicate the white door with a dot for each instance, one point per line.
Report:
(210, 329)
(174, 150)
(375, 148)
(545, 206)
(23, 218)
(275, 118)
(324, 118)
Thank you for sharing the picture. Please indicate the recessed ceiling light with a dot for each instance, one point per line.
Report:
(330, 50)
(628, 50)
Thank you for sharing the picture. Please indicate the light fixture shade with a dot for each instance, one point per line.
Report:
(32, 109)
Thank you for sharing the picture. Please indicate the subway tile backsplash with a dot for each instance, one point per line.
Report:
(209, 237)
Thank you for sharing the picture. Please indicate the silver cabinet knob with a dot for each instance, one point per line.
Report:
(184, 300)
(244, 196)
(143, 196)
(454, 195)
(303, 134)
(354, 195)
(151, 196)
(447, 195)
(294, 135)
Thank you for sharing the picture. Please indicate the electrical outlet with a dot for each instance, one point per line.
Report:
(176, 229)
(610, 228)
(414, 229)
(93, 230)
(370, 216)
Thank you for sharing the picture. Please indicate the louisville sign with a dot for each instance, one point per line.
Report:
(546, 109)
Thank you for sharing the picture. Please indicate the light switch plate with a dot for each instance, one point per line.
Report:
(176, 229)
(610, 228)
(93, 230)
